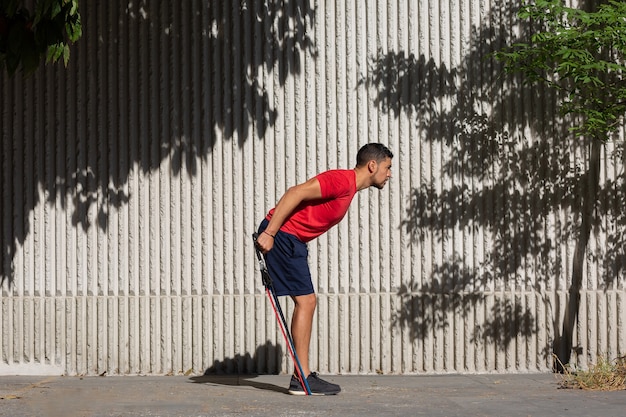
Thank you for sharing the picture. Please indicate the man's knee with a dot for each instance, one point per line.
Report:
(306, 302)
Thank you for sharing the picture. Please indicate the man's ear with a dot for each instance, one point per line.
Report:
(371, 166)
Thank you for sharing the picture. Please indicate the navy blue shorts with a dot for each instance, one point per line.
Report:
(288, 265)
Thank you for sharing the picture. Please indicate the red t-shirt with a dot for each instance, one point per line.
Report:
(313, 218)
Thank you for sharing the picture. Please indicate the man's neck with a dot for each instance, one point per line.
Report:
(362, 178)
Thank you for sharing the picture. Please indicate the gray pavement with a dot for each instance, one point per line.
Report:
(266, 395)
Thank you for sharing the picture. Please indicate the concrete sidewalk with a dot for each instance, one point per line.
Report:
(266, 395)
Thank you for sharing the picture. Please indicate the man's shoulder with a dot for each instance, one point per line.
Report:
(339, 173)
(338, 180)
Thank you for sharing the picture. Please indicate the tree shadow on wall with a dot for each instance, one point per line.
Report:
(433, 305)
(241, 370)
(499, 191)
(211, 84)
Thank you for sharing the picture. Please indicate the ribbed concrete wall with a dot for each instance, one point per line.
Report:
(132, 181)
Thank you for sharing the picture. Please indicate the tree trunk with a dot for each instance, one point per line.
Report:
(563, 345)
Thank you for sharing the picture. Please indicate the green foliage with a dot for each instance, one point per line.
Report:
(27, 35)
(580, 54)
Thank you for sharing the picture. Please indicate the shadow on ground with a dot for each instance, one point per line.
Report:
(242, 370)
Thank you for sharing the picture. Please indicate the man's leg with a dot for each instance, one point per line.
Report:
(301, 327)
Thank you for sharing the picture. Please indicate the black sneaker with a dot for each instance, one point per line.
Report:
(317, 385)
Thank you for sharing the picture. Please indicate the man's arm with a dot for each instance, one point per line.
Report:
(295, 195)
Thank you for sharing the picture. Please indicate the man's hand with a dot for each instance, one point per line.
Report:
(265, 242)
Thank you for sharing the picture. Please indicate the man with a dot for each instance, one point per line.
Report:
(303, 213)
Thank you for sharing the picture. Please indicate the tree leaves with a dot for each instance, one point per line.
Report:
(26, 36)
(581, 53)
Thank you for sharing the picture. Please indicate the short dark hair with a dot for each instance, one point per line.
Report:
(372, 152)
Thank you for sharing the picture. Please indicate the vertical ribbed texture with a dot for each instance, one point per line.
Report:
(132, 181)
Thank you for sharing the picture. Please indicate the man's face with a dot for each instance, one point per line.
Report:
(382, 173)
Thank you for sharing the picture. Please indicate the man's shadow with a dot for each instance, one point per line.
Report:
(241, 370)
